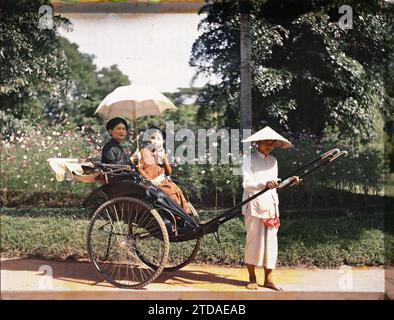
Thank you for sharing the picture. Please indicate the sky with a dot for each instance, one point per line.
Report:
(152, 49)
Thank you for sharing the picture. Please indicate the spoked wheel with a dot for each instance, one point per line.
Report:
(123, 230)
(181, 253)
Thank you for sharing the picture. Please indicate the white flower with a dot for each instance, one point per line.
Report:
(203, 171)
(59, 154)
(52, 179)
(25, 182)
(25, 157)
(18, 176)
(227, 181)
(23, 146)
(56, 148)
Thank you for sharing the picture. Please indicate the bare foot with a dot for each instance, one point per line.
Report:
(252, 286)
(272, 286)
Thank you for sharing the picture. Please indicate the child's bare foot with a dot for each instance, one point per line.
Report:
(252, 286)
(272, 286)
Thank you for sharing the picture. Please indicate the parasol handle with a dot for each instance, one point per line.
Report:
(137, 136)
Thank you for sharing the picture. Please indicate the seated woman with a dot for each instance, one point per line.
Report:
(112, 152)
(153, 165)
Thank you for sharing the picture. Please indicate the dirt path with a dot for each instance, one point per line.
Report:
(29, 279)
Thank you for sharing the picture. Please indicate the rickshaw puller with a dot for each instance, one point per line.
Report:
(261, 215)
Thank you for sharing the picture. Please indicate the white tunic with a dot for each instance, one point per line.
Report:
(261, 247)
(257, 170)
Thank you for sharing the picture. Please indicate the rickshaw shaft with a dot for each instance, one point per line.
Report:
(213, 225)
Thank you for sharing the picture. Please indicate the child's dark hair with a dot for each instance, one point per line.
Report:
(154, 128)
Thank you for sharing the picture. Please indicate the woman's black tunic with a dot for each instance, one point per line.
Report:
(113, 153)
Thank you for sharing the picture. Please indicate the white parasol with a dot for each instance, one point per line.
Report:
(133, 102)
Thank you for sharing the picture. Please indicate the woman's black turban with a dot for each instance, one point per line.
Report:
(114, 122)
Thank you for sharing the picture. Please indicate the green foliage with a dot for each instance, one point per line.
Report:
(44, 76)
(33, 65)
(24, 165)
(323, 242)
(25, 170)
(307, 72)
(48, 237)
(11, 124)
(87, 87)
(362, 171)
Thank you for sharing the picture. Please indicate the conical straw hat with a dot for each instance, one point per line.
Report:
(268, 133)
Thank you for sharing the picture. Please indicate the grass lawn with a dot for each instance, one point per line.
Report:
(60, 233)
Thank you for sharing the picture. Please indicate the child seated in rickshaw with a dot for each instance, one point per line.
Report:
(152, 161)
(152, 164)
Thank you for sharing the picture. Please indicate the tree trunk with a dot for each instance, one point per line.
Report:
(246, 76)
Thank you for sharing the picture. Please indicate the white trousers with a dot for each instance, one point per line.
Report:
(261, 247)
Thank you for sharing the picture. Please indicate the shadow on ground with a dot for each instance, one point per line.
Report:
(82, 272)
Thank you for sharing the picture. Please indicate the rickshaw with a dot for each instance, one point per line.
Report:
(136, 231)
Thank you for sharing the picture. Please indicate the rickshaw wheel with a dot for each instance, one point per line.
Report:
(184, 252)
(121, 231)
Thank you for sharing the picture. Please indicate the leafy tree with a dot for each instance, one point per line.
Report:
(87, 87)
(44, 76)
(307, 71)
(32, 63)
(183, 117)
(389, 117)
